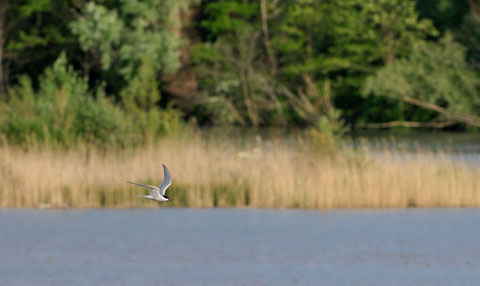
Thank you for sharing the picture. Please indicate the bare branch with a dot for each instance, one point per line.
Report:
(410, 124)
(266, 37)
(308, 102)
(465, 118)
(475, 8)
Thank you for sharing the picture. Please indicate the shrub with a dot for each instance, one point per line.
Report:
(64, 112)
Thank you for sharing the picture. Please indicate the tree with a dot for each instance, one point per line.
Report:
(229, 68)
(117, 36)
(27, 27)
(469, 34)
(446, 15)
(343, 42)
(304, 54)
(436, 77)
(99, 33)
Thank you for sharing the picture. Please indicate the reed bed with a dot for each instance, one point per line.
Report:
(219, 173)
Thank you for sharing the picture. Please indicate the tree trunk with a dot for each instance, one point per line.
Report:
(465, 118)
(266, 37)
(475, 9)
(252, 113)
(3, 10)
(410, 124)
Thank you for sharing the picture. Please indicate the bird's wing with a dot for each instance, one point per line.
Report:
(167, 180)
(151, 189)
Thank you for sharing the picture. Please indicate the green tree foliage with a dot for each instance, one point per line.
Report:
(445, 14)
(99, 33)
(116, 36)
(255, 62)
(63, 111)
(228, 69)
(346, 36)
(313, 43)
(142, 93)
(435, 76)
(345, 41)
(60, 112)
(469, 35)
(140, 100)
(32, 33)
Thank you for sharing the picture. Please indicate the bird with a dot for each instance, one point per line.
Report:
(158, 193)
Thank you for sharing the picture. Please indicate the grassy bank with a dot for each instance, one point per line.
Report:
(220, 173)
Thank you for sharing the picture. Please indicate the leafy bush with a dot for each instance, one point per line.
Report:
(64, 112)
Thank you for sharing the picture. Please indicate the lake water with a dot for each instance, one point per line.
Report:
(240, 247)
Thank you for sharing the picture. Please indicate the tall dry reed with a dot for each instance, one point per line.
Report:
(219, 173)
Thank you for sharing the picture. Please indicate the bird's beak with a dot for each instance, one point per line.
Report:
(170, 199)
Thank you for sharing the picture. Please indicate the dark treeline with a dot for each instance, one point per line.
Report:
(125, 71)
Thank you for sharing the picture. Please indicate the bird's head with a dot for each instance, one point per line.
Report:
(167, 198)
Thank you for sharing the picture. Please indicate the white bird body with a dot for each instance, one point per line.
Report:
(155, 198)
(158, 193)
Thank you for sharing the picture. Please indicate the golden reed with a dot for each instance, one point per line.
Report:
(218, 173)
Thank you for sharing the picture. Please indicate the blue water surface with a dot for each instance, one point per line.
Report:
(240, 247)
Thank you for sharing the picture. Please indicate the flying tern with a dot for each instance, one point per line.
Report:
(158, 193)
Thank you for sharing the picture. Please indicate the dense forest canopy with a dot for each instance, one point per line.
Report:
(125, 71)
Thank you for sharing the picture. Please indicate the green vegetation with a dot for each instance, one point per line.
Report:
(123, 73)
(433, 76)
(63, 111)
